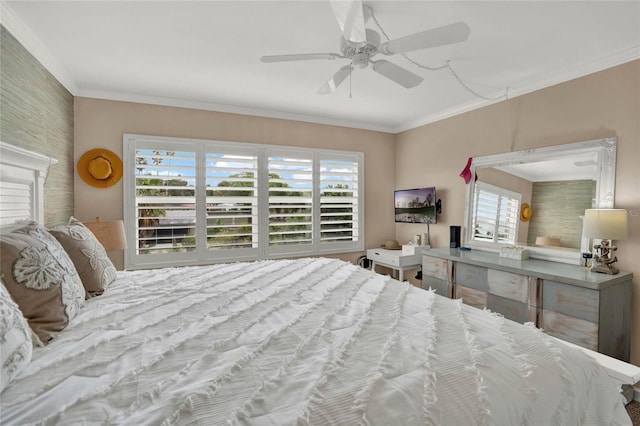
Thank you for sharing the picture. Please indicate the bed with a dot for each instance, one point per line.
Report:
(307, 341)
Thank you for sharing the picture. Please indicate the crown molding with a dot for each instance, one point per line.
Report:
(33, 45)
(553, 78)
(524, 87)
(231, 109)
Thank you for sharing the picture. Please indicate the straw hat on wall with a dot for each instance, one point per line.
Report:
(100, 168)
(525, 212)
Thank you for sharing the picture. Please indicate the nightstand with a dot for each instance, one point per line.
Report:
(394, 259)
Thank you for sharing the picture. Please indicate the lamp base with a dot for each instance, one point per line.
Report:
(605, 269)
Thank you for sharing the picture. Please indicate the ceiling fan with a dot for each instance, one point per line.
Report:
(360, 45)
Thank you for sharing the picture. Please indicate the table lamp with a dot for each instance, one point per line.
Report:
(607, 225)
(110, 233)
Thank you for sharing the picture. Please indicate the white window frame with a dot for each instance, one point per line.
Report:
(201, 255)
(500, 192)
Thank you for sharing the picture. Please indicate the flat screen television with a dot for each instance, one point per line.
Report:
(415, 205)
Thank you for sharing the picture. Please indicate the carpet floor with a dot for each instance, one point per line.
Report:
(633, 408)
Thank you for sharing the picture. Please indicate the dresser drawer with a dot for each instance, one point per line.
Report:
(380, 256)
(571, 329)
(435, 267)
(577, 302)
(393, 258)
(509, 285)
(512, 309)
(472, 297)
(442, 287)
(471, 276)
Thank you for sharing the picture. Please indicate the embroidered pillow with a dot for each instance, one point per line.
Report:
(41, 279)
(15, 339)
(89, 256)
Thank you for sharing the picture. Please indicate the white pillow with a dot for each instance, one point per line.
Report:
(15, 338)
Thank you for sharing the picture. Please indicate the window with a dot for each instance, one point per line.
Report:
(194, 201)
(495, 214)
(232, 200)
(339, 207)
(165, 200)
(290, 200)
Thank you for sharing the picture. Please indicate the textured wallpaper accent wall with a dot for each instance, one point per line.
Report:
(36, 113)
(557, 207)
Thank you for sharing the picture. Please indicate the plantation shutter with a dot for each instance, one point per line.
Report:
(191, 201)
(165, 201)
(495, 216)
(339, 206)
(290, 195)
(508, 220)
(232, 199)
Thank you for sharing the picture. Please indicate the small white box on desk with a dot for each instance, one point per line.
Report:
(409, 249)
(516, 253)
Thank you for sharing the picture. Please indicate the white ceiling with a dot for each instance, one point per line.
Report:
(205, 54)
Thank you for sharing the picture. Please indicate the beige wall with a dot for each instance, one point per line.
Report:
(101, 124)
(600, 105)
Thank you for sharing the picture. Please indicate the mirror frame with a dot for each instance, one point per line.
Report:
(605, 189)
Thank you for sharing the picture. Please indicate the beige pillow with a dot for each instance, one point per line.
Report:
(41, 279)
(15, 338)
(89, 256)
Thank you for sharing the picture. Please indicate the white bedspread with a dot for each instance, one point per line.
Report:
(311, 341)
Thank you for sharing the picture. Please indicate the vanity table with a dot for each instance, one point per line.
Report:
(394, 259)
(567, 301)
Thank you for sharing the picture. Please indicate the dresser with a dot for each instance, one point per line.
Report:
(570, 302)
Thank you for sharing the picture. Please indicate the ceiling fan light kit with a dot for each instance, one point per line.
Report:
(360, 44)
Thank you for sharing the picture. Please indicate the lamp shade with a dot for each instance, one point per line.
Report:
(610, 224)
(110, 233)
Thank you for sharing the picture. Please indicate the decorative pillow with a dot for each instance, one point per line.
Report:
(89, 256)
(15, 338)
(41, 279)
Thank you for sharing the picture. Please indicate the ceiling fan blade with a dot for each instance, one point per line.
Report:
(350, 17)
(448, 34)
(333, 83)
(299, 57)
(396, 73)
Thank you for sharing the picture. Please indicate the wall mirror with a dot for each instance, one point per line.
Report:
(536, 198)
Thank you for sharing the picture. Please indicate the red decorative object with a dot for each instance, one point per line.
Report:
(466, 172)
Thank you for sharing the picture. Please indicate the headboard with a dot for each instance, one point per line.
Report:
(22, 177)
